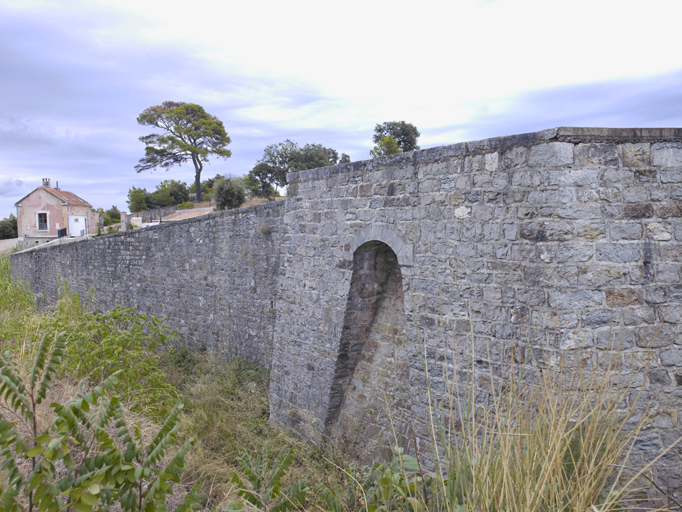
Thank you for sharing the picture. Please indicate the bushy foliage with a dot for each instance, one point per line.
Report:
(288, 156)
(167, 193)
(385, 147)
(123, 339)
(228, 194)
(405, 134)
(263, 486)
(88, 457)
(110, 216)
(8, 227)
(187, 205)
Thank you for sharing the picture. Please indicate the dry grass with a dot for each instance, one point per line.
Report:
(539, 435)
(227, 410)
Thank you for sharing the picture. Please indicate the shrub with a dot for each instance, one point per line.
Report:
(228, 194)
(88, 457)
(186, 205)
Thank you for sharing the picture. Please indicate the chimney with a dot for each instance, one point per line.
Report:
(46, 182)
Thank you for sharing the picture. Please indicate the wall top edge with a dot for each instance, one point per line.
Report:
(235, 212)
(575, 135)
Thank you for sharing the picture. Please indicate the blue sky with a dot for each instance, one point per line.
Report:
(74, 76)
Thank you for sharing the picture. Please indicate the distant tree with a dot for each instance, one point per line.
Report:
(288, 156)
(137, 201)
(386, 146)
(405, 134)
(114, 214)
(189, 134)
(8, 227)
(207, 186)
(177, 190)
(261, 178)
(228, 193)
(345, 159)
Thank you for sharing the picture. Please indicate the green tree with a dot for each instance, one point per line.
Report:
(189, 134)
(405, 134)
(206, 187)
(114, 214)
(176, 190)
(228, 193)
(261, 178)
(386, 146)
(137, 201)
(288, 156)
(8, 227)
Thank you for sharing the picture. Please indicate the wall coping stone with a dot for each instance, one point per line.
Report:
(574, 135)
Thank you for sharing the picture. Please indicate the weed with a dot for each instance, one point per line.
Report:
(76, 462)
(264, 475)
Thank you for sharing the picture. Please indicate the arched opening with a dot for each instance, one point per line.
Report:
(369, 398)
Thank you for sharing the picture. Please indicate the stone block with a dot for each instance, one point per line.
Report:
(618, 253)
(492, 161)
(553, 154)
(575, 299)
(590, 230)
(636, 154)
(600, 155)
(638, 211)
(515, 157)
(666, 211)
(620, 297)
(635, 194)
(626, 231)
(658, 231)
(525, 178)
(672, 357)
(671, 176)
(667, 154)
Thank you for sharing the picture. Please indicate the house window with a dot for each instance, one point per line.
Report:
(42, 222)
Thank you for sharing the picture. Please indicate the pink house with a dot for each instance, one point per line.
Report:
(45, 213)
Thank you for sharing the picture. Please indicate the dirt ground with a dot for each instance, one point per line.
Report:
(6, 246)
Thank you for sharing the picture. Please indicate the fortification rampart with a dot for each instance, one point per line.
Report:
(550, 239)
(559, 236)
(213, 277)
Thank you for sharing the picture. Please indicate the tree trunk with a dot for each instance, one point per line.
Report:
(197, 184)
(198, 166)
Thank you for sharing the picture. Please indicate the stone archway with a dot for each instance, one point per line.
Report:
(369, 398)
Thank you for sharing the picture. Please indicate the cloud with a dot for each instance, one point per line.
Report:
(654, 101)
(75, 80)
(11, 187)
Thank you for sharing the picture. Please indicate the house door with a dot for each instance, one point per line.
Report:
(77, 225)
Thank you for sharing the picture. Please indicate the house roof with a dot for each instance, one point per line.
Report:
(64, 196)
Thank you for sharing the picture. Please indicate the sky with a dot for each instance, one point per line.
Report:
(76, 74)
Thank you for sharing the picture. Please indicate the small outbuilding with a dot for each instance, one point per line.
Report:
(48, 213)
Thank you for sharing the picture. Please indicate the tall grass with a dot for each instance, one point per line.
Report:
(553, 434)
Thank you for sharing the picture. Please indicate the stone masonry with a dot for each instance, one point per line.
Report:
(213, 277)
(569, 234)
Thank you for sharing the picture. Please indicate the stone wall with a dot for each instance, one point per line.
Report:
(547, 240)
(213, 277)
(155, 213)
(550, 241)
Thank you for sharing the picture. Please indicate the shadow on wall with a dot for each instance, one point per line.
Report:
(369, 390)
